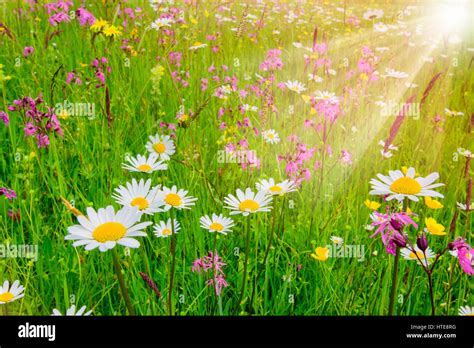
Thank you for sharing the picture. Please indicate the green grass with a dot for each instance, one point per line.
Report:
(84, 166)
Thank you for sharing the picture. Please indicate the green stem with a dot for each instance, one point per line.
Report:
(244, 277)
(220, 306)
(123, 288)
(393, 291)
(173, 265)
(430, 282)
(262, 266)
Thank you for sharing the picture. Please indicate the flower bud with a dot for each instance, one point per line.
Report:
(399, 240)
(396, 225)
(422, 242)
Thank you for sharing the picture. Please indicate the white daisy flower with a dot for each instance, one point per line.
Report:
(218, 223)
(380, 27)
(164, 229)
(453, 113)
(162, 145)
(315, 78)
(466, 311)
(398, 186)
(387, 154)
(295, 86)
(410, 255)
(139, 194)
(144, 165)
(325, 95)
(197, 45)
(72, 312)
(106, 228)
(161, 23)
(373, 14)
(174, 198)
(10, 294)
(270, 136)
(463, 206)
(337, 240)
(248, 202)
(391, 148)
(271, 188)
(465, 153)
(395, 74)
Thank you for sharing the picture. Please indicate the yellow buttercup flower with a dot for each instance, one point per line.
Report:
(433, 203)
(321, 254)
(371, 204)
(433, 227)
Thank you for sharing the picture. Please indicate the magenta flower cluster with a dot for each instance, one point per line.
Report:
(212, 265)
(39, 124)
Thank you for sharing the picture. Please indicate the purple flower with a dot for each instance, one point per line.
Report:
(58, 18)
(212, 265)
(464, 253)
(9, 193)
(4, 118)
(42, 140)
(28, 50)
(29, 129)
(85, 17)
(385, 227)
(272, 61)
(346, 157)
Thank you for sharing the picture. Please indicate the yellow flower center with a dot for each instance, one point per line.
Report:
(270, 136)
(108, 232)
(6, 297)
(140, 202)
(275, 189)
(406, 185)
(216, 226)
(249, 205)
(173, 199)
(419, 253)
(159, 148)
(144, 167)
(166, 232)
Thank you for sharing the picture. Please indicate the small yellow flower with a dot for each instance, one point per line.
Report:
(98, 25)
(371, 204)
(111, 30)
(63, 115)
(434, 228)
(321, 254)
(183, 118)
(433, 203)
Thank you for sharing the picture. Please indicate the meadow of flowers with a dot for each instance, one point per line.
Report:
(277, 157)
